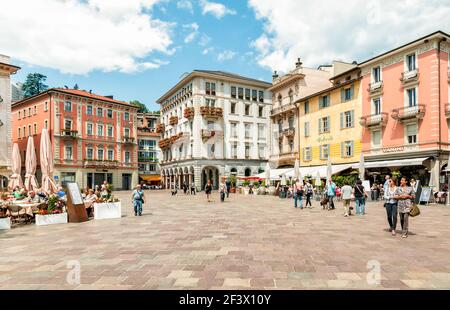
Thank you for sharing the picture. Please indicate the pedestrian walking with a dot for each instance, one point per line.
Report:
(346, 191)
(222, 191)
(360, 198)
(309, 193)
(193, 188)
(185, 188)
(208, 190)
(228, 185)
(405, 196)
(331, 188)
(138, 200)
(391, 205)
(298, 194)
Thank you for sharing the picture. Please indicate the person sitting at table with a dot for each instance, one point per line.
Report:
(61, 193)
(104, 193)
(32, 197)
(89, 201)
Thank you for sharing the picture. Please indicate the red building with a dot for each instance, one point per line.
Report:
(94, 138)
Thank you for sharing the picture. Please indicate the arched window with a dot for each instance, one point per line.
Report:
(248, 172)
(233, 171)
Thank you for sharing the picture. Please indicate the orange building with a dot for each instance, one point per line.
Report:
(405, 110)
(94, 138)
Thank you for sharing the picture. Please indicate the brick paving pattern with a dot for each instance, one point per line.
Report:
(248, 242)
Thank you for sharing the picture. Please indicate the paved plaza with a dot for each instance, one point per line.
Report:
(248, 242)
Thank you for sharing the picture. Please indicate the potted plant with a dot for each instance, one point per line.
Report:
(52, 213)
(233, 184)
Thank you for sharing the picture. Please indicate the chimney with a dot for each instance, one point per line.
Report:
(275, 75)
(110, 96)
(298, 64)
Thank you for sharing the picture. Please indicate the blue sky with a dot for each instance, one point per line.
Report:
(138, 49)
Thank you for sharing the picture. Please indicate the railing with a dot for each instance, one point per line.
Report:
(417, 111)
(160, 128)
(374, 120)
(211, 112)
(94, 163)
(173, 120)
(69, 133)
(289, 132)
(128, 140)
(283, 108)
(375, 86)
(148, 159)
(189, 113)
(164, 143)
(409, 76)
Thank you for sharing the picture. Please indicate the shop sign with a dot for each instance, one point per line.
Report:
(325, 138)
(393, 149)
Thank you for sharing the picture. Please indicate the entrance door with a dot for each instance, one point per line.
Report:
(99, 178)
(126, 181)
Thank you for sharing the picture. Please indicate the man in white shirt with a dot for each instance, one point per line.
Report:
(346, 191)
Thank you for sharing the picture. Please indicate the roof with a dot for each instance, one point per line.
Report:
(76, 92)
(10, 67)
(223, 74)
(327, 90)
(435, 34)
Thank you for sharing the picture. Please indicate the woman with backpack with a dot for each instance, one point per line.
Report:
(360, 198)
(138, 200)
(309, 194)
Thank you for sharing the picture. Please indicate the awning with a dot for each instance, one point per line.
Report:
(151, 178)
(275, 174)
(312, 171)
(392, 163)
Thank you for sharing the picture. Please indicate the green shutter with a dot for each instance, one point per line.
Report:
(342, 120)
(342, 94)
(321, 155)
(352, 92)
(352, 115)
(342, 149)
(353, 148)
(320, 125)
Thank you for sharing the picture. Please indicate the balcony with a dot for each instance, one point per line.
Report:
(160, 128)
(285, 159)
(101, 164)
(189, 113)
(406, 113)
(283, 109)
(164, 143)
(173, 120)
(289, 132)
(374, 120)
(211, 112)
(69, 133)
(147, 160)
(128, 140)
(208, 134)
(375, 88)
(410, 77)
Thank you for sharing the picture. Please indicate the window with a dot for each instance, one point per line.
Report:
(233, 108)
(254, 95)
(24, 113)
(324, 102)
(67, 124)
(247, 151)
(68, 106)
(29, 130)
(306, 107)
(210, 88)
(100, 112)
(24, 132)
(307, 154)
(233, 130)
(411, 134)
(110, 131)
(127, 132)
(324, 151)
(376, 138)
(210, 125)
(261, 96)
(46, 106)
(248, 129)
(411, 97)
(233, 91)
(68, 153)
(307, 129)
(110, 113)
(411, 62)
(126, 116)
(35, 129)
(280, 126)
(19, 133)
(347, 119)
(35, 110)
(240, 93)
(247, 110)
(89, 110)
(46, 124)
(247, 94)
(347, 94)
(29, 112)
(324, 124)
(110, 154)
(234, 150)
(261, 132)
(89, 129)
(261, 151)
(100, 154)
(100, 130)
(260, 111)
(210, 102)
(19, 114)
(67, 177)
(377, 106)
(376, 74)
(291, 145)
(291, 122)
(347, 149)
(89, 153)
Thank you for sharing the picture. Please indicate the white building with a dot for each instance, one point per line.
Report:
(214, 124)
(6, 69)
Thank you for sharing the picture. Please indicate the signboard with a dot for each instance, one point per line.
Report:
(366, 184)
(425, 195)
(75, 194)
(75, 205)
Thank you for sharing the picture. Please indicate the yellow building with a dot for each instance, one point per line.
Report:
(329, 122)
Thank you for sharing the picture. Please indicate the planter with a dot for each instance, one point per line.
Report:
(50, 219)
(109, 210)
(255, 191)
(233, 190)
(246, 191)
(5, 223)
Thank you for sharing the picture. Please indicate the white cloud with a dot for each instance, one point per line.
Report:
(208, 50)
(204, 40)
(77, 37)
(186, 5)
(218, 10)
(320, 31)
(225, 55)
(193, 34)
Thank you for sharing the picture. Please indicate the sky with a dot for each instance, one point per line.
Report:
(138, 49)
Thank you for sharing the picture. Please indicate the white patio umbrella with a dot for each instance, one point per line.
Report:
(329, 168)
(361, 167)
(30, 166)
(300, 178)
(267, 172)
(296, 169)
(283, 179)
(318, 181)
(15, 179)
(47, 162)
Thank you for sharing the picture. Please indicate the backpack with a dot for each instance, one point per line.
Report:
(137, 195)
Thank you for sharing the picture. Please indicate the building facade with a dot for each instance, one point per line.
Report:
(286, 91)
(94, 138)
(6, 69)
(329, 122)
(405, 109)
(213, 124)
(149, 153)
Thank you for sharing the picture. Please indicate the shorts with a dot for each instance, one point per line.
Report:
(346, 202)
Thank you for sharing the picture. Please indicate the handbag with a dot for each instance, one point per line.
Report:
(415, 211)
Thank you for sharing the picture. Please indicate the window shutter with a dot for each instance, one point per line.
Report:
(321, 153)
(320, 125)
(329, 150)
(342, 95)
(352, 148)
(352, 116)
(342, 120)
(342, 149)
(352, 92)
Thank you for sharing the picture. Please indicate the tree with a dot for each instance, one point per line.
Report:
(34, 84)
(142, 107)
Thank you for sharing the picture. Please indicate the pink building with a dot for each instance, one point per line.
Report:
(406, 109)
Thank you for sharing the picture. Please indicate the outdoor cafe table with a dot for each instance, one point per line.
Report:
(27, 207)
